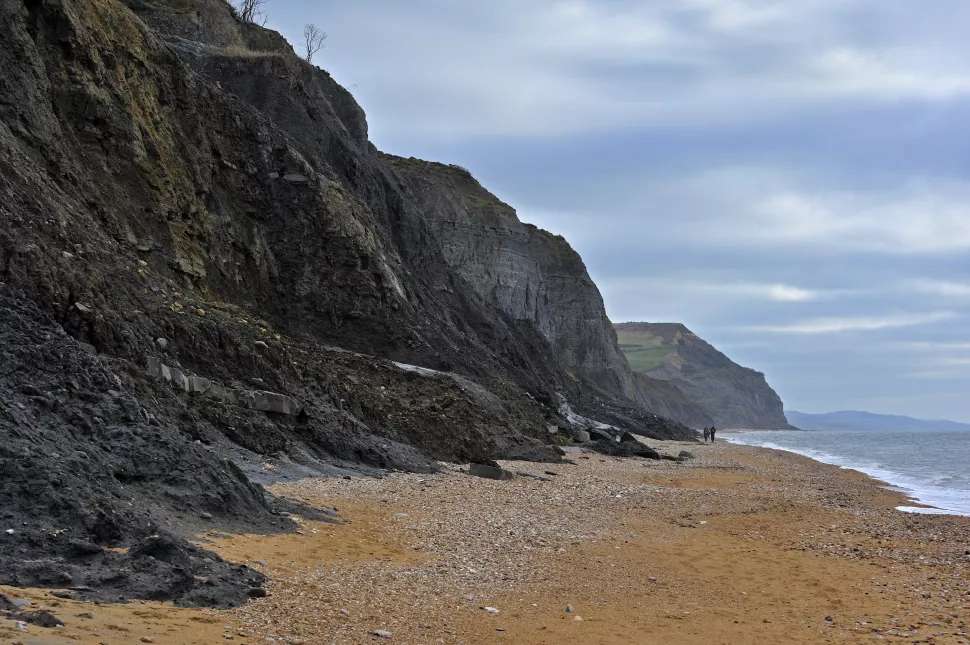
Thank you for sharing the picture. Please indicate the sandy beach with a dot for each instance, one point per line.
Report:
(738, 545)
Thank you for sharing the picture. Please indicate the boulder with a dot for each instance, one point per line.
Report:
(489, 471)
(154, 369)
(580, 436)
(275, 403)
(624, 449)
(180, 379)
(218, 392)
(599, 434)
(199, 385)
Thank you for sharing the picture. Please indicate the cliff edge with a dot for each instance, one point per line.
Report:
(700, 384)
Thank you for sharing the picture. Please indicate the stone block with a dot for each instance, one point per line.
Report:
(180, 379)
(275, 403)
(199, 385)
(154, 369)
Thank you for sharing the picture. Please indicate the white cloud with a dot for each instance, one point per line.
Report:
(943, 288)
(738, 15)
(718, 289)
(876, 74)
(955, 361)
(755, 206)
(776, 292)
(936, 346)
(854, 323)
(907, 223)
(787, 293)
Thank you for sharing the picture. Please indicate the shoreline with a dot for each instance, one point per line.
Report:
(741, 544)
(919, 496)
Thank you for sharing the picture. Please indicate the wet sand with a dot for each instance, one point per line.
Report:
(740, 545)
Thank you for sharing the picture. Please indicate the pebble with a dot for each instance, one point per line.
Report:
(382, 633)
(491, 610)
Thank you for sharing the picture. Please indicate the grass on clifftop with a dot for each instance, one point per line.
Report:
(643, 351)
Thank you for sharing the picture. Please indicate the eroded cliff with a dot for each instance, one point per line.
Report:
(700, 384)
(207, 268)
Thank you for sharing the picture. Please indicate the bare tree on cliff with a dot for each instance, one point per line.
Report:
(251, 11)
(312, 41)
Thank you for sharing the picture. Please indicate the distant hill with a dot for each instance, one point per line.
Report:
(857, 420)
(674, 361)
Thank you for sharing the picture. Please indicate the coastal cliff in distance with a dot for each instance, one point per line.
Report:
(694, 382)
(209, 277)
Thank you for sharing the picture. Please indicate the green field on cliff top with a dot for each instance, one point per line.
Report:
(643, 350)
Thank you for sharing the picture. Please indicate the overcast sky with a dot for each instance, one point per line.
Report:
(790, 179)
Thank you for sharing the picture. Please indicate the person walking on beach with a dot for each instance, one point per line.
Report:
(707, 434)
(713, 430)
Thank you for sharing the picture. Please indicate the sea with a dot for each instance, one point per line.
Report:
(930, 467)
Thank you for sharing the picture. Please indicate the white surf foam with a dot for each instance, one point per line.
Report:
(936, 499)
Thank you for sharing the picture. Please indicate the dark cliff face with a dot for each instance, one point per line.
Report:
(701, 384)
(531, 277)
(204, 258)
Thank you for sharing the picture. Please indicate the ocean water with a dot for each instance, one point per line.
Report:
(932, 468)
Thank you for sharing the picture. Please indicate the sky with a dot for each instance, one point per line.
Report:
(789, 179)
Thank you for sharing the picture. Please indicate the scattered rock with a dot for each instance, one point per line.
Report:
(382, 633)
(490, 610)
